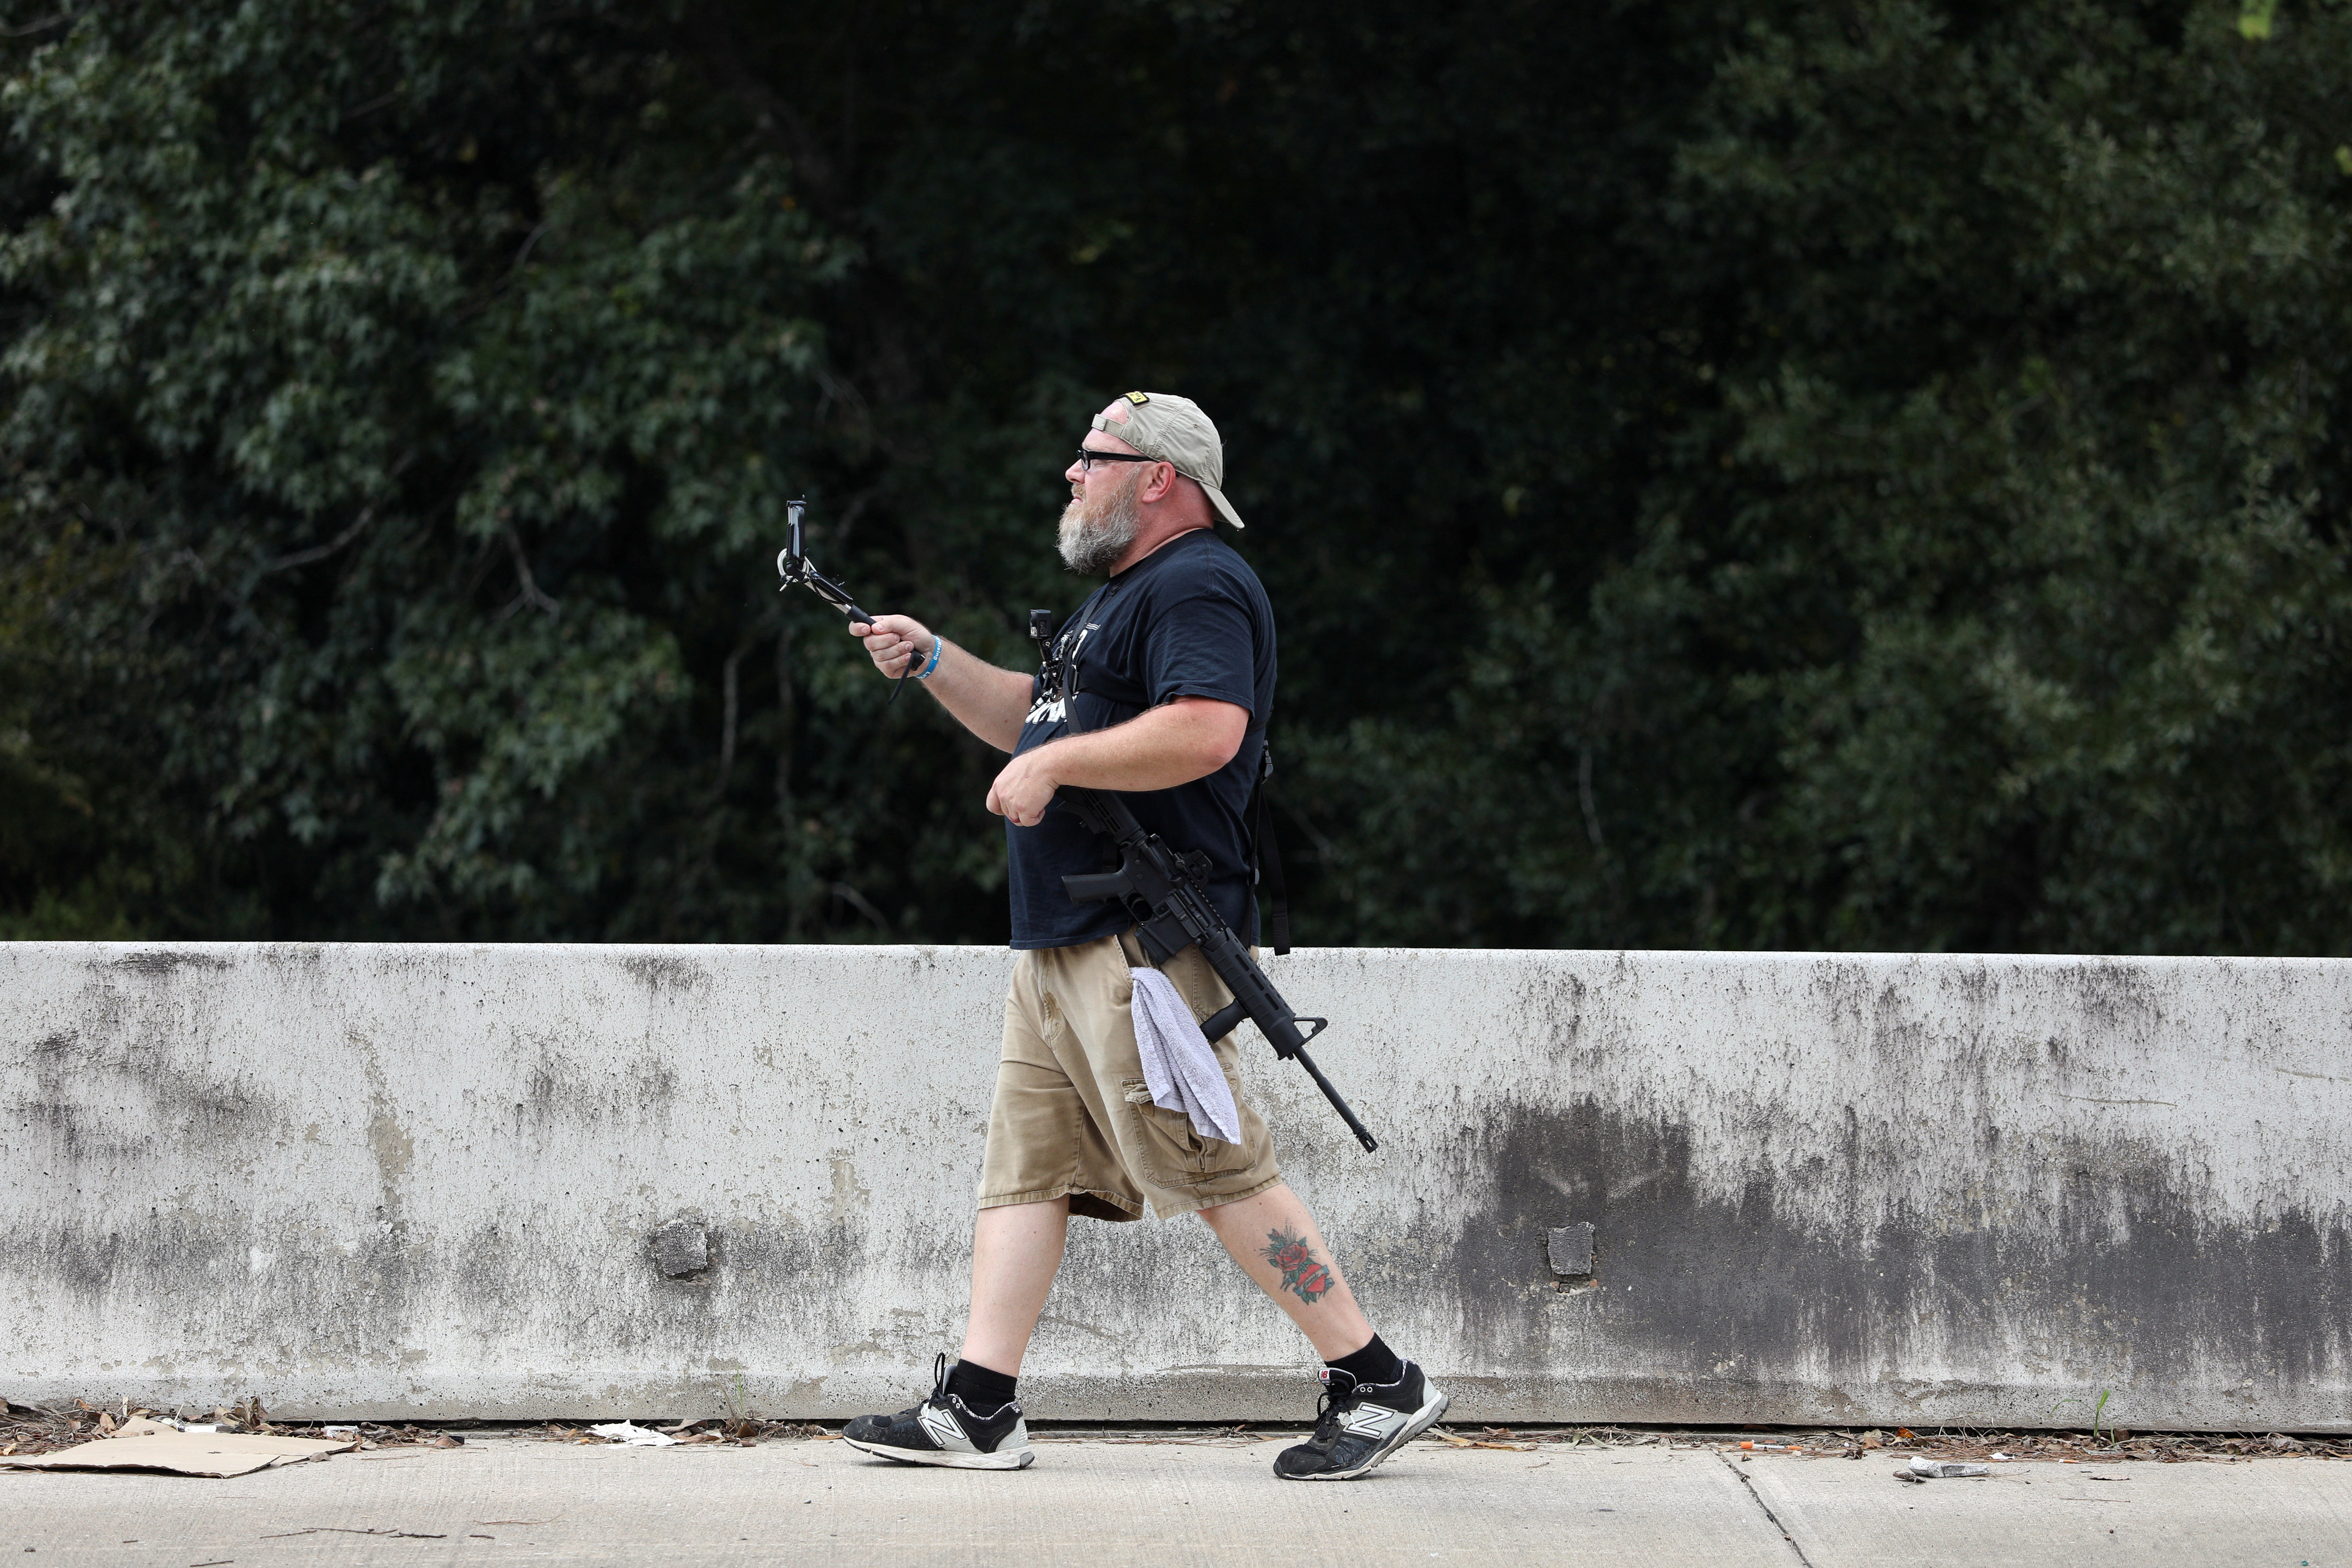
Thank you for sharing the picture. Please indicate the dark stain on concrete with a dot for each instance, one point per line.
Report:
(660, 971)
(166, 962)
(2104, 1269)
(84, 1083)
(561, 1086)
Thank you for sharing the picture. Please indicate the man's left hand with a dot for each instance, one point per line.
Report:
(1025, 789)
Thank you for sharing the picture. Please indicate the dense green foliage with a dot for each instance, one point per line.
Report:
(1801, 475)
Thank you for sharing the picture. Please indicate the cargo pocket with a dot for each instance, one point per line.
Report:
(1173, 1155)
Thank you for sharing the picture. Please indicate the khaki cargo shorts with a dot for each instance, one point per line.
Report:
(1072, 1115)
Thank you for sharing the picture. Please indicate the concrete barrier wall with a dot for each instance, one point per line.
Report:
(427, 1181)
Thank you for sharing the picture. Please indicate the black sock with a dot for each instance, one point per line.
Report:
(981, 1389)
(1375, 1364)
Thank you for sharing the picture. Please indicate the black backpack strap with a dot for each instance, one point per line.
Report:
(1266, 856)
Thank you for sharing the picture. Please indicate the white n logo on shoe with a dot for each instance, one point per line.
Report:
(1371, 1421)
(944, 1431)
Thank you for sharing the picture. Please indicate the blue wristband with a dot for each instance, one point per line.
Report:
(938, 642)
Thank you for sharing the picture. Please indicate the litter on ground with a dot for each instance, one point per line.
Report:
(629, 1435)
(143, 1443)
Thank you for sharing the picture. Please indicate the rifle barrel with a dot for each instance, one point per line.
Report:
(1372, 1144)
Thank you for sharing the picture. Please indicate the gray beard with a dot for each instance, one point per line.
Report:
(1093, 537)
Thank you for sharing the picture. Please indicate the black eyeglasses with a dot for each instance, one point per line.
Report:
(1089, 457)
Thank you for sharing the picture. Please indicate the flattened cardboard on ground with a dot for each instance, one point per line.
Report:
(144, 1444)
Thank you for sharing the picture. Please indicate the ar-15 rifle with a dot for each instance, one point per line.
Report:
(792, 566)
(1162, 889)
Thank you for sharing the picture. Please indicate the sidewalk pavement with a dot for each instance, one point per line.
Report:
(1095, 1501)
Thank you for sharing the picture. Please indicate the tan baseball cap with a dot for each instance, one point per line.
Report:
(1173, 429)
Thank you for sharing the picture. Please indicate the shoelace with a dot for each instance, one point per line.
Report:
(1331, 1408)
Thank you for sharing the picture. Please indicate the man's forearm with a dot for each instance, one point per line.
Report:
(1158, 749)
(991, 703)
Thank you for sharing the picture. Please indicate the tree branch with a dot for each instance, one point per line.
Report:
(321, 551)
(530, 593)
(729, 684)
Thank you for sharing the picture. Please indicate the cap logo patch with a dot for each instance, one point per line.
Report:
(1138, 398)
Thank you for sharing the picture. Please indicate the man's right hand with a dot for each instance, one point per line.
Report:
(986, 701)
(891, 641)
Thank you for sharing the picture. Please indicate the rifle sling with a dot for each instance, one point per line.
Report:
(1266, 857)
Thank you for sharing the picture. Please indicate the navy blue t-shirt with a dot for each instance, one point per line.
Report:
(1188, 620)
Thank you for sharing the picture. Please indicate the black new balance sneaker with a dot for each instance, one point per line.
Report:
(1361, 1424)
(943, 1430)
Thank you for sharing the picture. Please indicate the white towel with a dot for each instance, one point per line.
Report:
(1179, 1068)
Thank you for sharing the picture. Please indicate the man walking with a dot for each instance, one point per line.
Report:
(1160, 687)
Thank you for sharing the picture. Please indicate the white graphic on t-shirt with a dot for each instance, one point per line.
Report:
(1053, 706)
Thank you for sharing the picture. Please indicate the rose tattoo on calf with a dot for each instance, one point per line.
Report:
(1303, 1274)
